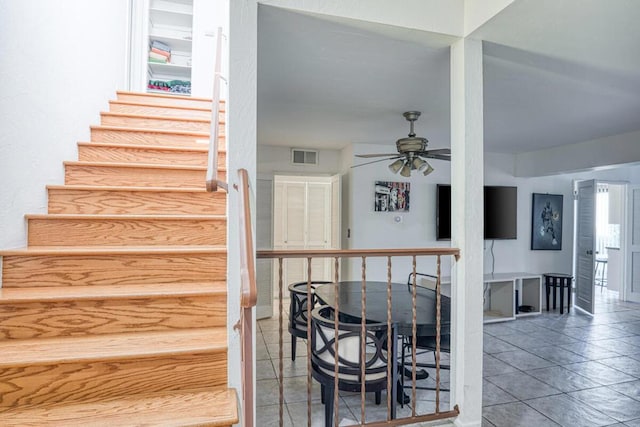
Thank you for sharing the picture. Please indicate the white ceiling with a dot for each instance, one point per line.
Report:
(570, 73)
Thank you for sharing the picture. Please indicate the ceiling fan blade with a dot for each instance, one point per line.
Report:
(366, 156)
(436, 156)
(376, 161)
(438, 151)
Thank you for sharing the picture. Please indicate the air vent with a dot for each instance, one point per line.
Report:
(304, 157)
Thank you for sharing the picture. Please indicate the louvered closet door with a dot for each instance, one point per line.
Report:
(294, 229)
(302, 220)
(585, 249)
(319, 227)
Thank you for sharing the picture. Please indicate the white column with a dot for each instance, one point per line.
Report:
(467, 215)
(241, 153)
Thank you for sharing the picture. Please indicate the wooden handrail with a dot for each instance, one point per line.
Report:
(249, 293)
(351, 253)
(248, 298)
(212, 181)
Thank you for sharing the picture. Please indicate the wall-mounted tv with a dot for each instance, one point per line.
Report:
(500, 212)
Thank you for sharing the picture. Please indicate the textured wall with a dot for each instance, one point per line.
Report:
(61, 62)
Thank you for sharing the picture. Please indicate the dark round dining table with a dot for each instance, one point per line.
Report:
(350, 303)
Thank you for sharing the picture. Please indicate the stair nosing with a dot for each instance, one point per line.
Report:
(162, 95)
(112, 250)
(130, 188)
(147, 147)
(178, 217)
(153, 130)
(131, 346)
(176, 107)
(109, 292)
(137, 165)
(157, 117)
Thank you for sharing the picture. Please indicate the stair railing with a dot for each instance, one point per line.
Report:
(212, 180)
(347, 303)
(248, 298)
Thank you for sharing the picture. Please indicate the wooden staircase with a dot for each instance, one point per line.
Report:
(115, 312)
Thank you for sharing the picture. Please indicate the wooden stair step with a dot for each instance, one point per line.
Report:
(40, 312)
(155, 290)
(162, 99)
(141, 136)
(157, 122)
(120, 153)
(96, 266)
(136, 174)
(71, 369)
(217, 408)
(163, 110)
(114, 230)
(75, 199)
(112, 347)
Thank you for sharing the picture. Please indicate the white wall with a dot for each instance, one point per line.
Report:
(61, 62)
(241, 153)
(371, 229)
(277, 160)
(438, 16)
(605, 153)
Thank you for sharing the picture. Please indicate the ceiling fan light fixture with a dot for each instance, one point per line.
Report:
(428, 170)
(395, 166)
(406, 170)
(418, 163)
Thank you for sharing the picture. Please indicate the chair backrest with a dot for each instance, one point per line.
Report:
(349, 348)
(298, 303)
(430, 283)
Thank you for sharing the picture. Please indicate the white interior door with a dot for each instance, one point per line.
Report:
(633, 252)
(303, 220)
(585, 245)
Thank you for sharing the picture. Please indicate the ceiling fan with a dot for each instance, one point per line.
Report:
(411, 152)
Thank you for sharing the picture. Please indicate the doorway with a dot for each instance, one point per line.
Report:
(609, 220)
(599, 250)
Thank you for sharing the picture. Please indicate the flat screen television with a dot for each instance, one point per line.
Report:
(500, 212)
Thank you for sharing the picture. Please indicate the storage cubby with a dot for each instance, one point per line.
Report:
(502, 292)
(499, 303)
(530, 295)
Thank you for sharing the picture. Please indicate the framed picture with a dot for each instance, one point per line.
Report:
(391, 196)
(546, 222)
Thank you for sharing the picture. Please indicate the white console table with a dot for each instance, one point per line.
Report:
(499, 294)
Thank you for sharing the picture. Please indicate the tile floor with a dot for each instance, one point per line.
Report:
(564, 370)
(549, 370)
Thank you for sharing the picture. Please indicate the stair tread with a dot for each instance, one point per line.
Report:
(178, 408)
(203, 149)
(117, 250)
(124, 216)
(62, 293)
(167, 131)
(128, 188)
(161, 95)
(139, 103)
(155, 116)
(112, 346)
(137, 165)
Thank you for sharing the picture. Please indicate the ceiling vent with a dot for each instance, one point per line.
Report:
(304, 157)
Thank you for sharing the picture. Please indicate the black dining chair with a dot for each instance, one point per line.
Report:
(323, 344)
(424, 344)
(298, 310)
